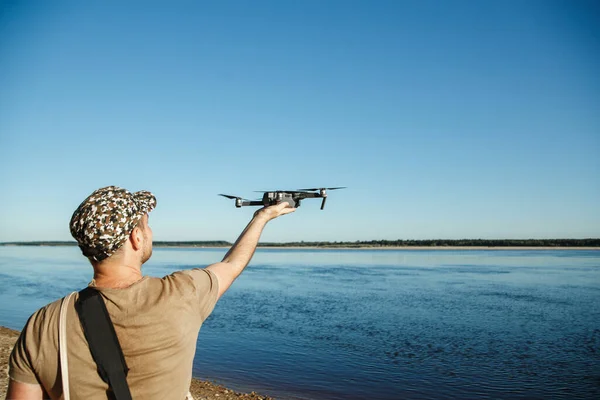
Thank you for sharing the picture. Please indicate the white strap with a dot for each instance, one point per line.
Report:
(62, 345)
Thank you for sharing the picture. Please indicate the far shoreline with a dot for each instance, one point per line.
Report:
(356, 247)
(406, 248)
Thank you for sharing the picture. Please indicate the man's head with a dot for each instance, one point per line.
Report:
(110, 217)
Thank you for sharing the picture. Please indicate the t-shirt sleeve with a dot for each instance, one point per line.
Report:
(23, 358)
(206, 290)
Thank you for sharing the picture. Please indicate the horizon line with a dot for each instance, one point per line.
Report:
(588, 241)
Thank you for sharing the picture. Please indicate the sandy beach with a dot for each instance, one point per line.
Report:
(201, 390)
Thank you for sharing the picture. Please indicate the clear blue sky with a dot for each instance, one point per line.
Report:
(445, 119)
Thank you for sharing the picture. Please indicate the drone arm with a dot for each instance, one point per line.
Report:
(252, 203)
(315, 195)
(310, 195)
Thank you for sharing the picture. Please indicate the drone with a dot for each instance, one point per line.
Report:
(293, 197)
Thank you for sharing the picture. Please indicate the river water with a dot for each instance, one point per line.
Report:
(376, 324)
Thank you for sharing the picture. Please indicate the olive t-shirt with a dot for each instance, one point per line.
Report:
(157, 322)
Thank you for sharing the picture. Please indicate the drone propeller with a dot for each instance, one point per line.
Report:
(230, 196)
(240, 202)
(333, 188)
(276, 191)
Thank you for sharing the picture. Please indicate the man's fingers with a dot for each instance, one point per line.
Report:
(284, 208)
(281, 208)
(276, 210)
(283, 204)
(287, 210)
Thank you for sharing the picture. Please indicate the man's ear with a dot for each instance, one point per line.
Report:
(137, 238)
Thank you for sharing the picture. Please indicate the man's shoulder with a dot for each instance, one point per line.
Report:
(196, 281)
(46, 314)
(188, 275)
(198, 277)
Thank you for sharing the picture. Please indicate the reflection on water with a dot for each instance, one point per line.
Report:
(378, 324)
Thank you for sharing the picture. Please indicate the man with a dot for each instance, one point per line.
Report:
(156, 320)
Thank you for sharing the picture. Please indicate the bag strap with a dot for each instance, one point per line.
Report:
(103, 342)
(62, 345)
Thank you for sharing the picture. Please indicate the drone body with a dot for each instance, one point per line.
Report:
(293, 197)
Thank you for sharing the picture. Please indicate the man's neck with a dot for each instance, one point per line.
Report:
(113, 283)
(116, 276)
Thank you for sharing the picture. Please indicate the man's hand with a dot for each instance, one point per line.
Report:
(272, 212)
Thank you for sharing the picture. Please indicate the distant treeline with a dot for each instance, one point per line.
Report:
(210, 243)
(371, 243)
(449, 243)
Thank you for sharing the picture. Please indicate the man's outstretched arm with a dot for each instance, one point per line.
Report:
(243, 249)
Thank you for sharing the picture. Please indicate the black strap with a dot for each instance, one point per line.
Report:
(104, 344)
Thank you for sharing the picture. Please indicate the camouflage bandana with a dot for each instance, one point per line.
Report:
(104, 221)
